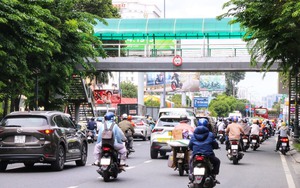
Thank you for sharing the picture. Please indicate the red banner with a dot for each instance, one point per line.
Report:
(107, 96)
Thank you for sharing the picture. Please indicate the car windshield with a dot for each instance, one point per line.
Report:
(169, 122)
(24, 121)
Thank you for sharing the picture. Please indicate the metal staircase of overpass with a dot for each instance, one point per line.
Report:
(80, 98)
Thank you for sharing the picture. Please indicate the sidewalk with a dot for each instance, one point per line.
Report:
(294, 153)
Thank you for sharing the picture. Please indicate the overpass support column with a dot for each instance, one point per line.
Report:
(183, 99)
(141, 88)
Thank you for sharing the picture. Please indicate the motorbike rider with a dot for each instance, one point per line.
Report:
(92, 126)
(128, 131)
(109, 118)
(255, 129)
(221, 125)
(234, 132)
(245, 126)
(176, 77)
(203, 141)
(283, 131)
(184, 125)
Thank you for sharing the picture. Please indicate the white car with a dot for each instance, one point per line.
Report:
(162, 134)
(141, 127)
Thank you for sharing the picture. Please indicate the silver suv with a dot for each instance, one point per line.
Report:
(41, 137)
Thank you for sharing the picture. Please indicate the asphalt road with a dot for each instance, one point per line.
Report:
(258, 169)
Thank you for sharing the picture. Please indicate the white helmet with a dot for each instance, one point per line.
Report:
(124, 116)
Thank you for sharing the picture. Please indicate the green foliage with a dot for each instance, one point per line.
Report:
(177, 100)
(231, 79)
(152, 103)
(129, 90)
(222, 105)
(47, 40)
(272, 31)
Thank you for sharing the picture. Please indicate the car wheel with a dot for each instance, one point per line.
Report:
(154, 154)
(163, 153)
(3, 166)
(59, 163)
(83, 159)
(29, 164)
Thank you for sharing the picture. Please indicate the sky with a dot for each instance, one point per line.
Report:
(256, 85)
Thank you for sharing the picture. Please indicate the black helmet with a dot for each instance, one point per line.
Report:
(183, 117)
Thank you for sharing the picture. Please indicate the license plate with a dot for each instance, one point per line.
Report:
(20, 139)
(199, 171)
(253, 141)
(234, 146)
(260, 137)
(245, 140)
(180, 155)
(89, 137)
(284, 144)
(105, 161)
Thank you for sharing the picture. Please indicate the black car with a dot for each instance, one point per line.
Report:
(41, 137)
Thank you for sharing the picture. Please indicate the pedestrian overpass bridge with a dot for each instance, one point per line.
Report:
(141, 45)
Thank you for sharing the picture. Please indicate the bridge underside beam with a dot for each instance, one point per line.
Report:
(165, 64)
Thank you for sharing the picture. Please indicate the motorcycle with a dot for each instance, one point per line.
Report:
(261, 137)
(283, 148)
(175, 84)
(254, 142)
(90, 136)
(180, 157)
(234, 153)
(109, 165)
(159, 79)
(221, 136)
(202, 174)
(246, 142)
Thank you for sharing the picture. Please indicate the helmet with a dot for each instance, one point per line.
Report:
(283, 124)
(234, 118)
(244, 120)
(124, 116)
(183, 117)
(109, 116)
(129, 118)
(220, 119)
(202, 122)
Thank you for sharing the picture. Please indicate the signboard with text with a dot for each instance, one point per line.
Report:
(201, 102)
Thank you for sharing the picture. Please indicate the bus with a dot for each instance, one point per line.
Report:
(261, 112)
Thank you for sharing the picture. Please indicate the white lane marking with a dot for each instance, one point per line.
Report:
(130, 167)
(287, 172)
(149, 161)
(73, 187)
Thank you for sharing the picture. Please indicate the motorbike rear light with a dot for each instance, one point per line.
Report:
(284, 139)
(47, 131)
(105, 148)
(199, 158)
(245, 137)
(220, 132)
(260, 134)
(234, 142)
(157, 130)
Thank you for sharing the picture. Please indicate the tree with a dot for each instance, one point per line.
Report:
(232, 78)
(128, 89)
(272, 31)
(177, 100)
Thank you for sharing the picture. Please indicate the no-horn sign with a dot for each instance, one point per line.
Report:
(177, 60)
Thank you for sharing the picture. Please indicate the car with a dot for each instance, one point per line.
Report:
(141, 127)
(50, 137)
(162, 133)
(176, 111)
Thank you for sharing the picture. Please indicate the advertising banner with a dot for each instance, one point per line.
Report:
(107, 96)
(201, 102)
(212, 83)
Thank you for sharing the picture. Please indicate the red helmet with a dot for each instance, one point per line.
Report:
(129, 118)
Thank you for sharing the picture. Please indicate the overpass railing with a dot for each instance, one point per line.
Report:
(184, 50)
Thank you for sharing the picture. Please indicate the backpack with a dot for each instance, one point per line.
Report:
(108, 137)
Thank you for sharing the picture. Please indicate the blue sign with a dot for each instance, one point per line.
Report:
(201, 102)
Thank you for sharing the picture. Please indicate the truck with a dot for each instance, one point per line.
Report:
(131, 109)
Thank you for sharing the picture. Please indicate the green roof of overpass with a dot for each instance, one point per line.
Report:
(158, 28)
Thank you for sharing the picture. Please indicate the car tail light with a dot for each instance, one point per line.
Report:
(47, 131)
(105, 148)
(284, 139)
(199, 158)
(157, 130)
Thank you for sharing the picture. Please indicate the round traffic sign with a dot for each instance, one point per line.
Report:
(177, 60)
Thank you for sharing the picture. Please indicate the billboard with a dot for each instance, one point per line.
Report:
(212, 83)
(107, 96)
(201, 102)
(157, 78)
